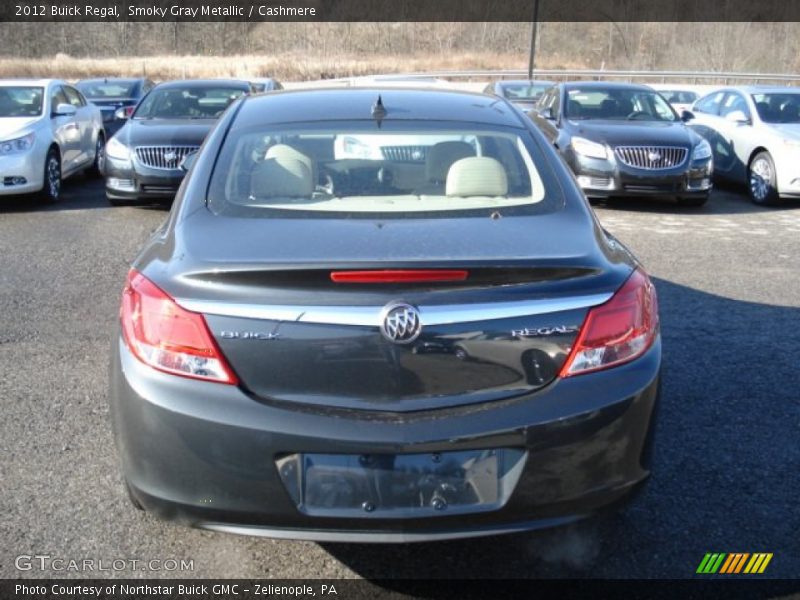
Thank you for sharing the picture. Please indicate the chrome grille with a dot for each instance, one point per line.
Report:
(163, 157)
(405, 153)
(651, 157)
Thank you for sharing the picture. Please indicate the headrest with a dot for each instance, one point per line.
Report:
(441, 156)
(476, 176)
(286, 151)
(281, 178)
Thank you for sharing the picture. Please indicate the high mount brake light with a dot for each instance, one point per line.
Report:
(618, 331)
(167, 337)
(399, 276)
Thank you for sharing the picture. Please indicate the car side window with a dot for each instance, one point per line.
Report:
(73, 97)
(734, 102)
(58, 97)
(710, 104)
(555, 103)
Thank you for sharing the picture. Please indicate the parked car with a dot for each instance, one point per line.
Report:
(265, 84)
(681, 97)
(523, 93)
(112, 95)
(754, 133)
(48, 131)
(351, 358)
(622, 139)
(143, 160)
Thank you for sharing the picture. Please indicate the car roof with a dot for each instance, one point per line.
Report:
(606, 85)
(202, 83)
(762, 89)
(525, 82)
(112, 79)
(352, 104)
(31, 82)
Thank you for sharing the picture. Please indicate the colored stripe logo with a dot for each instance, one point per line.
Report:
(734, 563)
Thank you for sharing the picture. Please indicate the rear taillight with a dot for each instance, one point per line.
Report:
(167, 337)
(618, 331)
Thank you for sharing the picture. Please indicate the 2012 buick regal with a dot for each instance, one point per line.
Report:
(382, 316)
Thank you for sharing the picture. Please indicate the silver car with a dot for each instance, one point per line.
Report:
(48, 131)
(754, 132)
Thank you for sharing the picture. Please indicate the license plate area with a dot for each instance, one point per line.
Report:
(401, 485)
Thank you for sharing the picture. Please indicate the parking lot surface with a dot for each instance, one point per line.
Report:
(727, 457)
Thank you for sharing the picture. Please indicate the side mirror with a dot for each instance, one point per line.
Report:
(188, 161)
(64, 110)
(686, 116)
(123, 113)
(738, 117)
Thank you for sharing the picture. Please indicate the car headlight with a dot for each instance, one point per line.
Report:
(589, 148)
(701, 151)
(118, 150)
(17, 145)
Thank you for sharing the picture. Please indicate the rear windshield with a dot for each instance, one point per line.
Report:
(523, 91)
(107, 89)
(678, 96)
(190, 103)
(399, 169)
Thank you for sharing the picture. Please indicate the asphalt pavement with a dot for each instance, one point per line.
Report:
(727, 461)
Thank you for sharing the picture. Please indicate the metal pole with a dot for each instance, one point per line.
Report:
(534, 28)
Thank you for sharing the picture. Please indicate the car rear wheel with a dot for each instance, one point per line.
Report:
(136, 504)
(51, 192)
(96, 170)
(762, 179)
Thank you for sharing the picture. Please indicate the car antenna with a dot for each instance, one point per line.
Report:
(378, 111)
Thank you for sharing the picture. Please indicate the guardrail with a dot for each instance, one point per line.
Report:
(691, 77)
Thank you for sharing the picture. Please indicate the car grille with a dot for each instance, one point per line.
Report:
(651, 157)
(405, 153)
(163, 157)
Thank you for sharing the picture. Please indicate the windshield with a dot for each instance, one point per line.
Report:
(106, 89)
(523, 91)
(781, 107)
(189, 103)
(618, 105)
(678, 96)
(21, 101)
(354, 170)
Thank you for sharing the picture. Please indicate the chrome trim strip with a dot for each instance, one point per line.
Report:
(383, 537)
(370, 316)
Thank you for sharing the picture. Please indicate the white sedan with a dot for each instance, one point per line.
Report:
(754, 133)
(48, 131)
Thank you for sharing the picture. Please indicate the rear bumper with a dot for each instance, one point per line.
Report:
(601, 178)
(204, 454)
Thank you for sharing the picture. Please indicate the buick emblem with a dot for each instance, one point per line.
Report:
(400, 323)
(170, 156)
(654, 156)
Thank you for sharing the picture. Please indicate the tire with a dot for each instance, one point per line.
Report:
(762, 180)
(96, 170)
(693, 202)
(136, 504)
(51, 190)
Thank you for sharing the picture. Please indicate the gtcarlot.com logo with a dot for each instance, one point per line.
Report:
(734, 563)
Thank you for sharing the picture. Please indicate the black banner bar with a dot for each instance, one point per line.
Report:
(400, 10)
(346, 589)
